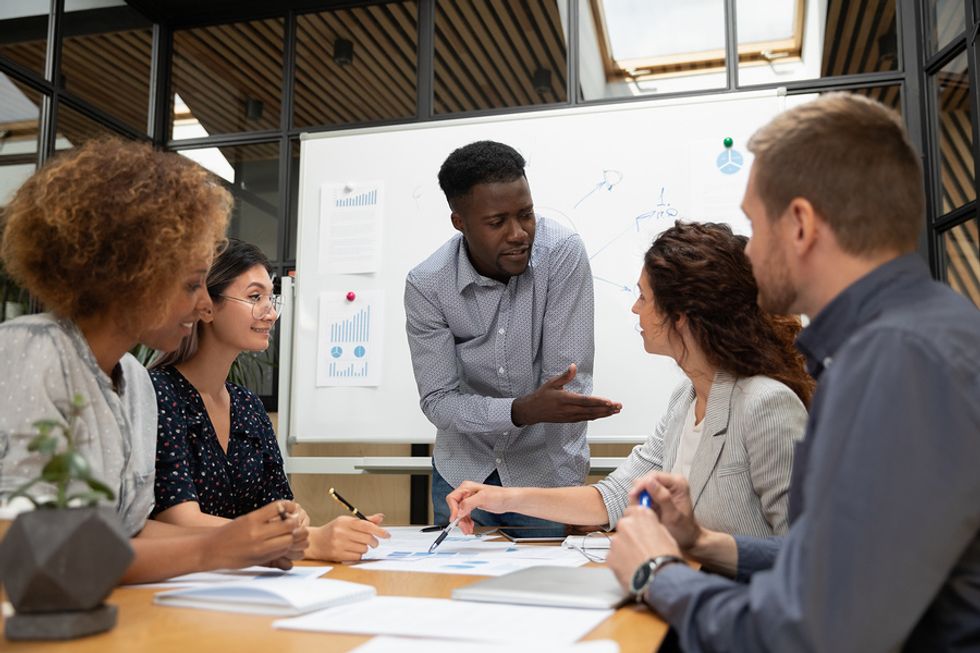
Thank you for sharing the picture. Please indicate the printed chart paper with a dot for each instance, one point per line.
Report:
(350, 338)
(350, 227)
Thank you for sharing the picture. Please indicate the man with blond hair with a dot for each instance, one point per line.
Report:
(883, 550)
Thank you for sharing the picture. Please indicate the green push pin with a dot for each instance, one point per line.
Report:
(728, 142)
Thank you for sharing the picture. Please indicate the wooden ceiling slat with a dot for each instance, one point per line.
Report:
(322, 73)
(378, 58)
(375, 99)
(266, 61)
(831, 36)
(453, 53)
(404, 48)
(850, 21)
(498, 83)
(259, 78)
(320, 101)
(94, 76)
(506, 51)
(549, 20)
(460, 82)
(523, 60)
(538, 55)
(213, 101)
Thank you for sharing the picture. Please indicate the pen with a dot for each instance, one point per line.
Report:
(644, 499)
(354, 511)
(282, 512)
(444, 533)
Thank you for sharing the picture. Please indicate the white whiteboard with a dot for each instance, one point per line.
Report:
(616, 174)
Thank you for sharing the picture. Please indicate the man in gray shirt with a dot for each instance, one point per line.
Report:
(499, 323)
(883, 551)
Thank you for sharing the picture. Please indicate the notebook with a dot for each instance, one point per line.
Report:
(283, 596)
(560, 587)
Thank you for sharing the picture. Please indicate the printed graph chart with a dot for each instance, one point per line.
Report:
(369, 198)
(349, 341)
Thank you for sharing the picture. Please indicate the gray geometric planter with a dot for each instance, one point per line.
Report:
(57, 567)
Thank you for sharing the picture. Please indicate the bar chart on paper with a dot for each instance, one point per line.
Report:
(350, 339)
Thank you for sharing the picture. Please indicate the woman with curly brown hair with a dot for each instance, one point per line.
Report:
(729, 428)
(115, 239)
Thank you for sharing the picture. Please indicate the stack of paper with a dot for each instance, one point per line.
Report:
(284, 596)
(405, 645)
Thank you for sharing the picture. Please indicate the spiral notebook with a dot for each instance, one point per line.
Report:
(284, 596)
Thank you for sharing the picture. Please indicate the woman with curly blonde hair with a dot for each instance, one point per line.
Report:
(115, 240)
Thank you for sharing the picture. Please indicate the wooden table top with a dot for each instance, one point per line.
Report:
(148, 628)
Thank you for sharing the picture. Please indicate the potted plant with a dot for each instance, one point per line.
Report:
(59, 561)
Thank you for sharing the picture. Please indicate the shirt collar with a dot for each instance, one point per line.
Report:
(853, 307)
(466, 274)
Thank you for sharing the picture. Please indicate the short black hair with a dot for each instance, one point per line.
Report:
(482, 162)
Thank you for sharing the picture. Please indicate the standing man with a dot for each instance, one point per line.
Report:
(883, 551)
(499, 323)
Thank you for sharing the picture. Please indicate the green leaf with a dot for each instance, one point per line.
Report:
(57, 469)
(78, 467)
(99, 486)
(43, 443)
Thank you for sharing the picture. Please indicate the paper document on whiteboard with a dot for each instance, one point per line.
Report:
(350, 227)
(349, 351)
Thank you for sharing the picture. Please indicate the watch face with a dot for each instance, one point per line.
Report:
(640, 577)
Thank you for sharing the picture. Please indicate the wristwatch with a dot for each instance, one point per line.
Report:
(645, 572)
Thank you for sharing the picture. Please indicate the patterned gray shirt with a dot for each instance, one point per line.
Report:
(477, 344)
(45, 362)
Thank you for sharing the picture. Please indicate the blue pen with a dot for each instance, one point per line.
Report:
(645, 500)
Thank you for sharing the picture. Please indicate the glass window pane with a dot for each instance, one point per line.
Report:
(105, 59)
(227, 78)
(251, 173)
(75, 128)
(356, 65)
(20, 116)
(643, 47)
(491, 54)
(961, 247)
(292, 229)
(945, 20)
(954, 135)
(24, 33)
(805, 39)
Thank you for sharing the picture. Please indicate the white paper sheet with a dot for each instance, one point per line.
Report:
(350, 227)
(203, 578)
(408, 550)
(406, 645)
(351, 331)
(445, 619)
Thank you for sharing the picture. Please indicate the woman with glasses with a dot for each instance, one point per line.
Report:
(115, 239)
(217, 454)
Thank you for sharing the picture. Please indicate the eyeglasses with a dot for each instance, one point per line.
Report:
(594, 545)
(261, 304)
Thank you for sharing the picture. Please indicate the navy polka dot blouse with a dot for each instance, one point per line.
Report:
(191, 466)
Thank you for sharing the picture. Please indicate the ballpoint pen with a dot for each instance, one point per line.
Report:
(444, 533)
(354, 511)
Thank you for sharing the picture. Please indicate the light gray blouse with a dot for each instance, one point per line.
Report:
(44, 362)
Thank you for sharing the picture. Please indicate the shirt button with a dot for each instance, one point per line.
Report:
(502, 331)
(506, 432)
(499, 461)
(500, 371)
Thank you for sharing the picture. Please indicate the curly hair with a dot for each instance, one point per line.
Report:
(482, 162)
(107, 227)
(700, 270)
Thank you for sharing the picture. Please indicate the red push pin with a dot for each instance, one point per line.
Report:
(351, 296)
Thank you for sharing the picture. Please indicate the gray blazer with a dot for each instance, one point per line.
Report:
(741, 470)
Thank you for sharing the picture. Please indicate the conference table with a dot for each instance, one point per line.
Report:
(147, 628)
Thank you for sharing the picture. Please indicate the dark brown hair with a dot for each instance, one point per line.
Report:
(108, 226)
(851, 158)
(700, 270)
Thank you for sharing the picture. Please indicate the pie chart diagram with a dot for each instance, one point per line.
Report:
(730, 161)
